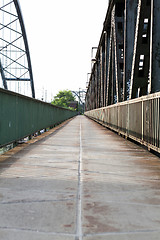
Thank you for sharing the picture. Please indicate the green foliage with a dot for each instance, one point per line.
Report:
(62, 98)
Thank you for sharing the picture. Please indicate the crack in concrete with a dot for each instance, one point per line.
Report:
(37, 231)
(121, 233)
(36, 201)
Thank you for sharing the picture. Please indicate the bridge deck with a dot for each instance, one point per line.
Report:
(81, 182)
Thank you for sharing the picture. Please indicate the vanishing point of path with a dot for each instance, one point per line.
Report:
(80, 182)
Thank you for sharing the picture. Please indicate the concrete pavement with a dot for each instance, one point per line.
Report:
(80, 182)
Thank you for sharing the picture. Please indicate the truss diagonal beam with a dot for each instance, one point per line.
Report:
(8, 13)
(11, 43)
(14, 61)
(6, 5)
(6, 26)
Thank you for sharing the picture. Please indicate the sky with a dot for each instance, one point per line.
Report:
(61, 34)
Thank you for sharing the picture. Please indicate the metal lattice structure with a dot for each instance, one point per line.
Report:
(80, 95)
(127, 63)
(15, 62)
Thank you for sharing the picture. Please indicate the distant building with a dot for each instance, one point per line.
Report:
(73, 104)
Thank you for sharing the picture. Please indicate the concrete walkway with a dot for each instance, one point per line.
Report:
(81, 182)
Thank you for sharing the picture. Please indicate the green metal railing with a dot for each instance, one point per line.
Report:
(21, 116)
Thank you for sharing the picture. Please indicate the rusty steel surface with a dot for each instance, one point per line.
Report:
(80, 182)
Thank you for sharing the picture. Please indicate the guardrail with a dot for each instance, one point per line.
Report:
(138, 119)
(21, 116)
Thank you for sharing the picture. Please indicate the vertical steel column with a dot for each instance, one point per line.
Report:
(90, 92)
(141, 55)
(98, 82)
(94, 88)
(103, 80)
(109, 69)
(101, 76)
(118, 34)
(96, 85)
(106, 61)
(113, 97)
(155, 82)
(129, 35)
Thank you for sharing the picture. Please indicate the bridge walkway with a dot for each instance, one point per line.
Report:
(82, 181)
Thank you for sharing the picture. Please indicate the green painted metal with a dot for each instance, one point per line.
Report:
(21, 116)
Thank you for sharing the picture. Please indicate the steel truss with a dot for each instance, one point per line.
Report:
(80, 95)
(15, 62)
(127, 62)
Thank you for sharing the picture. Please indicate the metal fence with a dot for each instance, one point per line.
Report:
(21, 116)
(138, 119)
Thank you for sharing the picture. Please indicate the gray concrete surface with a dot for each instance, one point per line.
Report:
(80, 182)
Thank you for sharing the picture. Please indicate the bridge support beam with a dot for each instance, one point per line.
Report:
(128, 56)
(141, 54)
(129, 34)
(155, 46)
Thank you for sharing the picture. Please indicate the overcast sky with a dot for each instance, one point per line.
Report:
(61, 34)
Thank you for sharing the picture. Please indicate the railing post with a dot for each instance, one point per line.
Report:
(142, 119)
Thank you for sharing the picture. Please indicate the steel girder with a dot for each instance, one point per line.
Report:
(128, 56)
(81, 95)
(15, 62)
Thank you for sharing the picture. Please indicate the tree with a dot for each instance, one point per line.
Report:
(63, 98)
